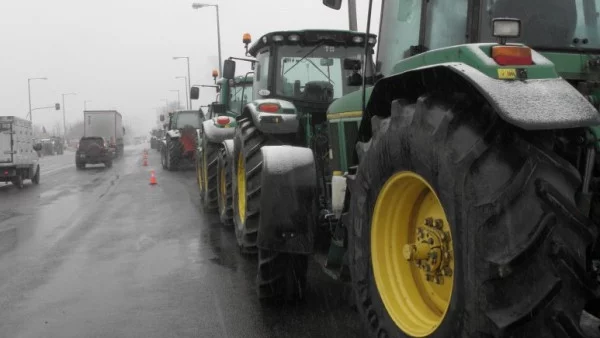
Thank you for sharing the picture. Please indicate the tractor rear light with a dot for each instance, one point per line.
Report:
(223, 120)
(512, 55)
(268, 108)
(5, 172)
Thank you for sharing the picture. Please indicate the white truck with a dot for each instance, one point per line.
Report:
(18, 154)
(107, 124)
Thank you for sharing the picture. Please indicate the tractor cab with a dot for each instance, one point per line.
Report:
(559, 30)
(308, 68)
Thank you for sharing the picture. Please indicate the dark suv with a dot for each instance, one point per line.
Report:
(93, 150)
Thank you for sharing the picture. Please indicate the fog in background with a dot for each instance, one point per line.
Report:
(118, 53)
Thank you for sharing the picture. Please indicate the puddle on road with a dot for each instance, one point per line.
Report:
(37, 226)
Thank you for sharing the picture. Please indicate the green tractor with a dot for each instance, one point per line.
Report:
(216, 140)
(472, 206)
(298, 74)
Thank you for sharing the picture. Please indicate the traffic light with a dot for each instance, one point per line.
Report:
(57, 106)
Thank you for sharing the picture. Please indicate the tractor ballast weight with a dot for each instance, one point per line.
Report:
(215, 132)
(288, 183)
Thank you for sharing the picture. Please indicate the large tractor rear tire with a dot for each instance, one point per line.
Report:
(281, 275)
(174, 150)
(461, 227)
(224, 186)
(210, 154)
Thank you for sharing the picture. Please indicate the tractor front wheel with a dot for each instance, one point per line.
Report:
(248, 166)
(281, 275)
(209, 160)
(460, 227)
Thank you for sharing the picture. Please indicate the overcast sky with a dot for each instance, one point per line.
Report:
(118, 53)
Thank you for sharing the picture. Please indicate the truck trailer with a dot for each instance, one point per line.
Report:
(18, 154)
(107, 124)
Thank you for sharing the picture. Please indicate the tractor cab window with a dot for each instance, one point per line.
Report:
(191, 119)
(261, 79)
(446, 23)
(547, 24)
(314, 73)
(399, 31)
(241, 94)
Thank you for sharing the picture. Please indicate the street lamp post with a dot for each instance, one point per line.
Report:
(189, 79)
(64, 118)
(178, 97)
(187, 90)
(29, 94)
(85, 104)
(197, 6)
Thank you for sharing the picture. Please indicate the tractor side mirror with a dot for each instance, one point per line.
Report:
(355, 79)
(352, 64)
(333, 4)
(229, 69)
(194, 93)
(37, 147)
(218, 109)
(162, 118)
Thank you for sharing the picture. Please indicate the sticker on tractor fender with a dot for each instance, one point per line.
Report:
(507, 73)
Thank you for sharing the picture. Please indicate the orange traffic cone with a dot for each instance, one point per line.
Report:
(152, 178)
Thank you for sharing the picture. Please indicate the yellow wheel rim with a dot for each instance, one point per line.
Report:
(222, 190)
(241, 185)
(411, 253)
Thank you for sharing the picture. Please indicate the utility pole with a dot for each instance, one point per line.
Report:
(29, 94)
(64, 115)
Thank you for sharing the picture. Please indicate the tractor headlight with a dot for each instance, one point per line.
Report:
(357, 39)
(506, 28)
(277, 38)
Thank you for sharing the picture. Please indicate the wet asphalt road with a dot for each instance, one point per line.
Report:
(101, 253)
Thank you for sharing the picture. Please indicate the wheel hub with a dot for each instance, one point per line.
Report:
(431, 251)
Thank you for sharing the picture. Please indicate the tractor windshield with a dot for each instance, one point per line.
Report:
(548, 24)
(314, 73)
(191, 119)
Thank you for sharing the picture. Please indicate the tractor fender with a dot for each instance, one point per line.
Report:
(287, 121)
(535, 104)
(174, 133)
(228, 145)
(288, 200)
(216, 134)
